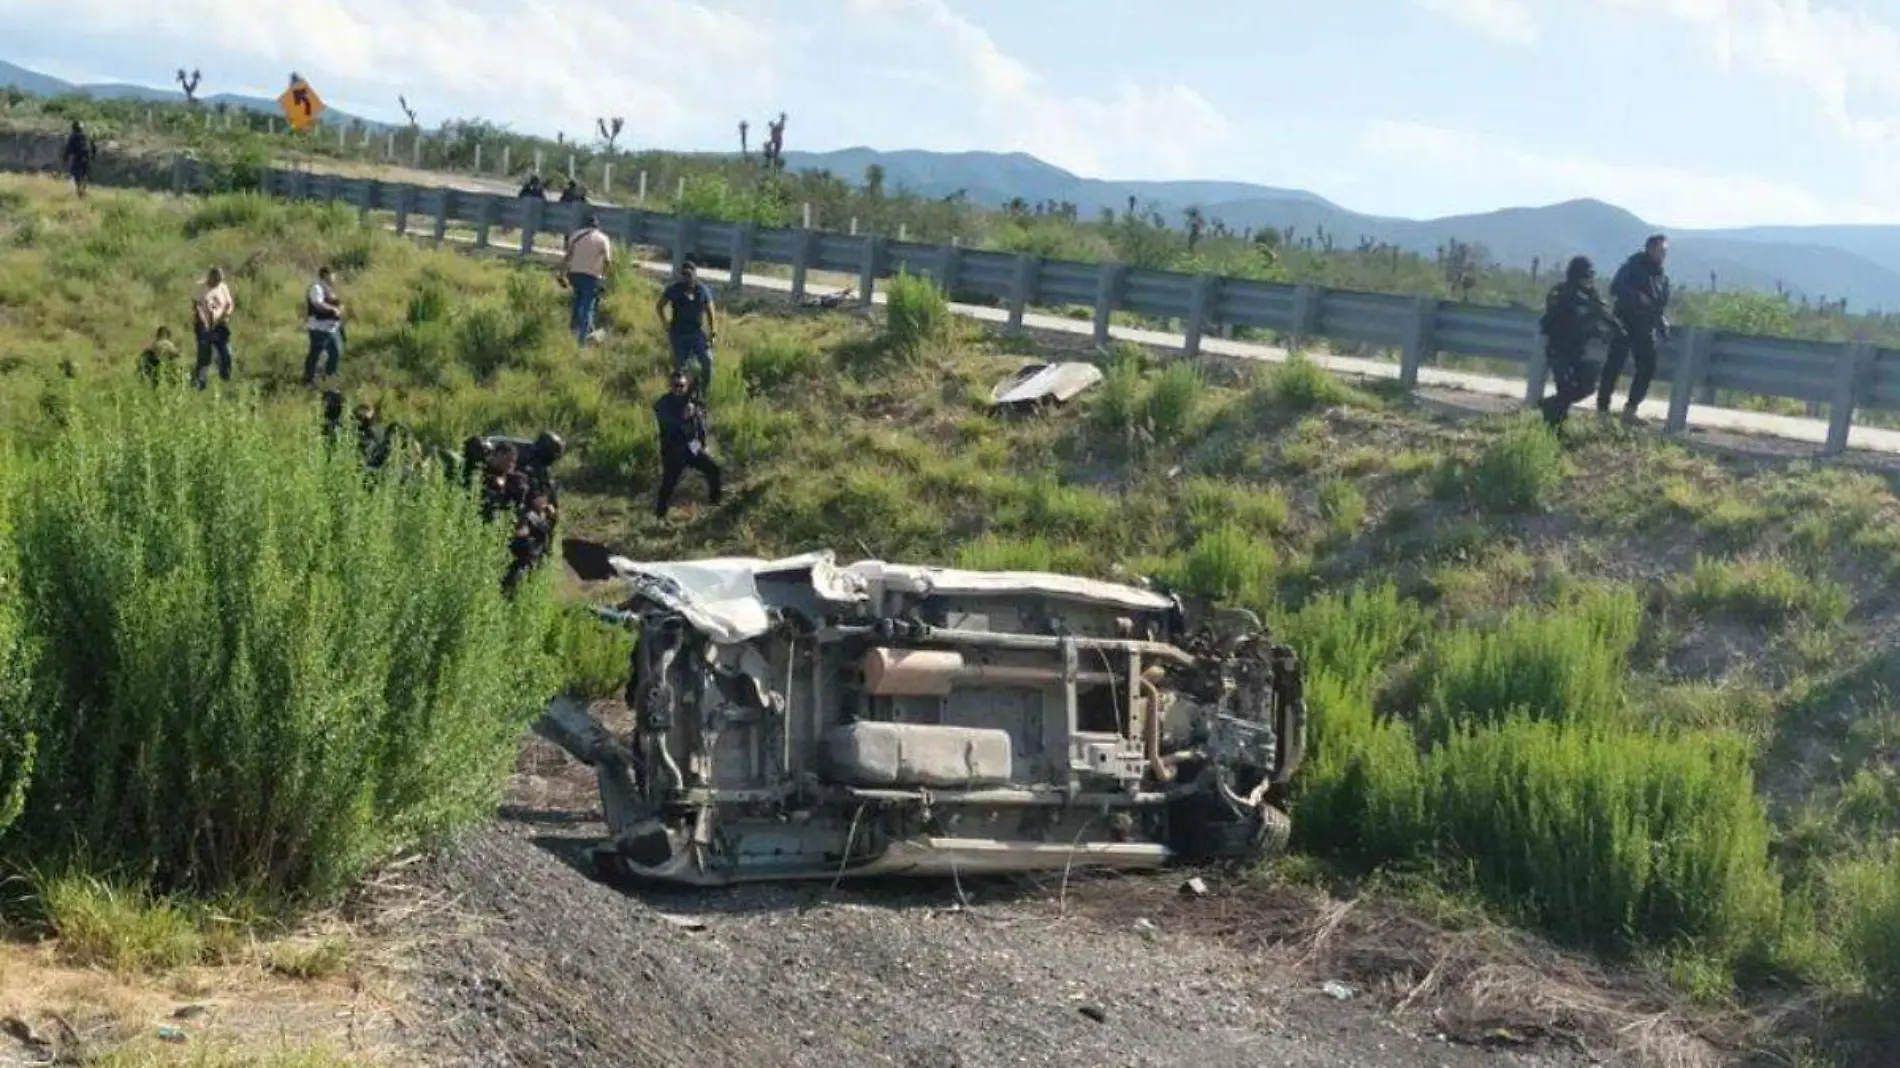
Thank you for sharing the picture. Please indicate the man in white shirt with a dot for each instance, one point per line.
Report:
(323, 319)
(211, 318)
(589, 257)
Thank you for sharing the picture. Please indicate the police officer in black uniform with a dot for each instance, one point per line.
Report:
(1640, 292)
(682, 420)
(1574, 315)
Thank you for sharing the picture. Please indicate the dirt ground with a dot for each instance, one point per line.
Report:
(523, 957)
(507, 951)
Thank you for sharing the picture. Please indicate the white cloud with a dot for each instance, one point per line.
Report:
(1508, 22)
(682, 71)
(1847, 61)
(1140, 130)
(1841, 58)
(539, 62)
(1659, 193)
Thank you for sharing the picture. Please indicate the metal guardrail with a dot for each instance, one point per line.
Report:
(1843, 376)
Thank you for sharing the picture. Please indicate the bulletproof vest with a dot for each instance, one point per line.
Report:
(313, 311)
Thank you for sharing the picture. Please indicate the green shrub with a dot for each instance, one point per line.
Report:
(916, 316)
(258, 666)
(993, 552)
(1609, 837)
(423, 350)
(253, 213)
(1047, 507)
(1356, 637)
(429, 302)
(1565, 664)
(621, 449)
(490, 338)
(1300, 385)
(773, 360)
(712, 197)
(1207, 504)
(1363, 795)
(592, 653)
(743, 428)
(18, 738)
(1172, 401)
(234, 165)
(1227, 565)
(1119, 404)
(1342, 506)
(1514, 474)
(1764, 591)
(1868, 889)
(1592, 831)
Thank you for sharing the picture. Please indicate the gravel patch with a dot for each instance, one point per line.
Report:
(559, 968)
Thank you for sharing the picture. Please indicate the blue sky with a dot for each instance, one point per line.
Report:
(1688, 112)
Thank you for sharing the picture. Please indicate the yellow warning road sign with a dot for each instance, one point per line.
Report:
(301, 105)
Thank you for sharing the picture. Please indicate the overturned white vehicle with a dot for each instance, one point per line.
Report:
(794, 718)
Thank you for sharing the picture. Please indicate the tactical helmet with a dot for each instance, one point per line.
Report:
(549, 446)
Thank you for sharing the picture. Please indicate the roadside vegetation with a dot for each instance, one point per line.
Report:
(728, 187)
(1615, 690)
(236, 149)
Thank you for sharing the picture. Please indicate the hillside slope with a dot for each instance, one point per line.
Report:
(1673, 660)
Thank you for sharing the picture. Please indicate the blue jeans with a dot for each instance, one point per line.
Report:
(322, 343)
(216, 341)
(586, 298)
(690, 348)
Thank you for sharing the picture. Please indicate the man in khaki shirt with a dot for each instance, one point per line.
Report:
(589, 256)
(211, 318)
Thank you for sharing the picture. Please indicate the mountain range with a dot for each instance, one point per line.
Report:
(1859, 264)
(46, 85)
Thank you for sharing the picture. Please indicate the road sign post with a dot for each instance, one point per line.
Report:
(301, 105)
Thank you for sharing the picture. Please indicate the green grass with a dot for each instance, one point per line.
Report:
(1300, 385)
(121, 928)
(1567, 666)
(917, 317)
(1869, 890)
(1607, 837)
(1765, 592)
(1173, 400)
(1512, 475)
(1501, 705)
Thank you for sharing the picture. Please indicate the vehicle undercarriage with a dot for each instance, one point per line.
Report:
(799, 719)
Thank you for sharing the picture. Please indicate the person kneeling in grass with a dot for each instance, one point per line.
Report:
(160, 358)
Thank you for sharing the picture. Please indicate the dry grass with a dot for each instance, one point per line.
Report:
(326, 996)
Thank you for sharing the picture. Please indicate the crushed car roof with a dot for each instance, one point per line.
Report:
(721, 596)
